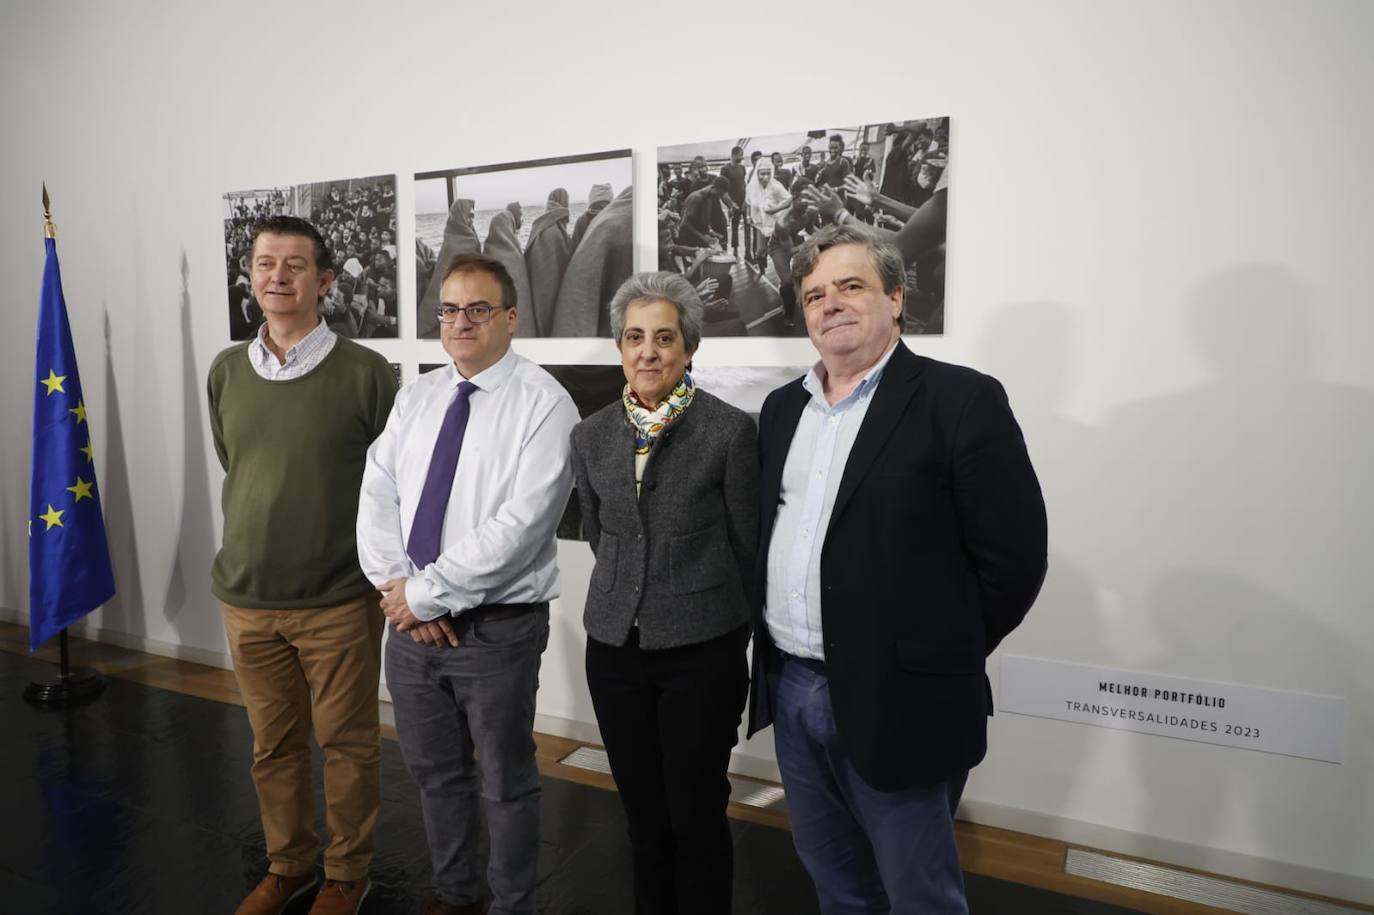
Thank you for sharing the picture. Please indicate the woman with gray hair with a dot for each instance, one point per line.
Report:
(667, 479)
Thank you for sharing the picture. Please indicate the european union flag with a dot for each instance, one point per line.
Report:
(69, 558)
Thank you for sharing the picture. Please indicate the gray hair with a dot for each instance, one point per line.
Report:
(661, 285)
(887, 260)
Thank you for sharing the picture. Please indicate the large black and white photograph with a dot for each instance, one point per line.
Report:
(591, 388)
(595, 386)
(562, 227)
(357, 218)
(732, 212)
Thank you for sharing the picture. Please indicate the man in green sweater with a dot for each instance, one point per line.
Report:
(293, 411)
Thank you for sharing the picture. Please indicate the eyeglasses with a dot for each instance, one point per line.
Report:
(478, 313)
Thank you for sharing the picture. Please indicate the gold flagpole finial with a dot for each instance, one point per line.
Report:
(49, 230)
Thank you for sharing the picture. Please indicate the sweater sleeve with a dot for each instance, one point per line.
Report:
(213, 385)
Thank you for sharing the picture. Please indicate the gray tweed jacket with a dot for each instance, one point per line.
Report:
(680, 559)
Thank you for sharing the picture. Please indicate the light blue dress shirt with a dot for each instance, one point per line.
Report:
(810, 479)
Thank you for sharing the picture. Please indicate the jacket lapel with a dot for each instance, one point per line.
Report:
(901, 378)
(779, 442)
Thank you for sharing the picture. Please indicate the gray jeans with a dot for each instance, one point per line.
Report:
(450, 702)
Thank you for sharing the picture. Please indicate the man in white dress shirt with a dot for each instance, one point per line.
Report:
(460, 500)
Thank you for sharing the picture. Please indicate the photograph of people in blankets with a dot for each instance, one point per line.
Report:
(732, 212)
(562, 227)
(357, 218)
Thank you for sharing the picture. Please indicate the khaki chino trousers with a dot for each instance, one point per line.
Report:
(302, 668)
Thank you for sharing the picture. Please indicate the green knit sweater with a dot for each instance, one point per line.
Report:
(293, 452)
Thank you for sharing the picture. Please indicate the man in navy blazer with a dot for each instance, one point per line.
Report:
(904, 536)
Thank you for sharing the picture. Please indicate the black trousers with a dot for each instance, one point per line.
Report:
(669, 718)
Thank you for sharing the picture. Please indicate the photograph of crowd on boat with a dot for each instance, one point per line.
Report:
(731, 212)
(357, 218)
(562, 228)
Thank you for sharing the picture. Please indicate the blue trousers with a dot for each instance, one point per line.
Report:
(450, 702)
(869, 852)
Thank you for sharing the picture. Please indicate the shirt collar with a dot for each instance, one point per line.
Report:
(261, 354)
(490, 378)
(814, 384)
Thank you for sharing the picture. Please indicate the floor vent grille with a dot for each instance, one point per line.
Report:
(588, 758)
(1213, 891)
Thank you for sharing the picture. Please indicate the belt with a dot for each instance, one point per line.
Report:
(811, 664)
(488, 613)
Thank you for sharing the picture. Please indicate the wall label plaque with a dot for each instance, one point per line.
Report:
(1251, 717)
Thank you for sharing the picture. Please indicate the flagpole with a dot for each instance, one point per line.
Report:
(72, 687)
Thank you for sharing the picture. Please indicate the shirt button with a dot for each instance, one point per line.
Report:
(639, 536)
(636, 589)
(796, 594)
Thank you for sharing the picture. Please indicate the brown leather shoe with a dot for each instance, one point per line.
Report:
(341, 897)
(434, 904)
(274, 894)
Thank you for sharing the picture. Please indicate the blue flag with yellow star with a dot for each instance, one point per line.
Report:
(69, 558)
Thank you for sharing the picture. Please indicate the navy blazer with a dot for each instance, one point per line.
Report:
(935, 551)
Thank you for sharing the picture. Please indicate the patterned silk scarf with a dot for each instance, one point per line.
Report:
(649, 423)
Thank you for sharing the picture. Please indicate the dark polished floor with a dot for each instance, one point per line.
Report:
(141, 803)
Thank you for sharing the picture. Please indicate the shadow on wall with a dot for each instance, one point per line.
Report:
(1236, 522)
(123, 612)
(1237, 617)
(1031, 348)
(1217, 533)
(188, 584)
(12, 580)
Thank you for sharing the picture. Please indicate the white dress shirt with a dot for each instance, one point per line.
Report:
(810, 480)
(509, 491)
(301, 359)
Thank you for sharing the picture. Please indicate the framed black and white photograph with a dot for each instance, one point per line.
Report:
(357, 218)
(732, 212)
(591, 387)
(562, 227)
(745, 386)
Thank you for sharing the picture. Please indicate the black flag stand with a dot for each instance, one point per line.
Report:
(72, 687)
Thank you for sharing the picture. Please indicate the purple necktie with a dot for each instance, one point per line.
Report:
(428, 526)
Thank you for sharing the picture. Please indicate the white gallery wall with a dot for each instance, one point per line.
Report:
(1160, 240)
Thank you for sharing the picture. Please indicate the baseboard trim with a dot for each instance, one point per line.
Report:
(85, 630)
